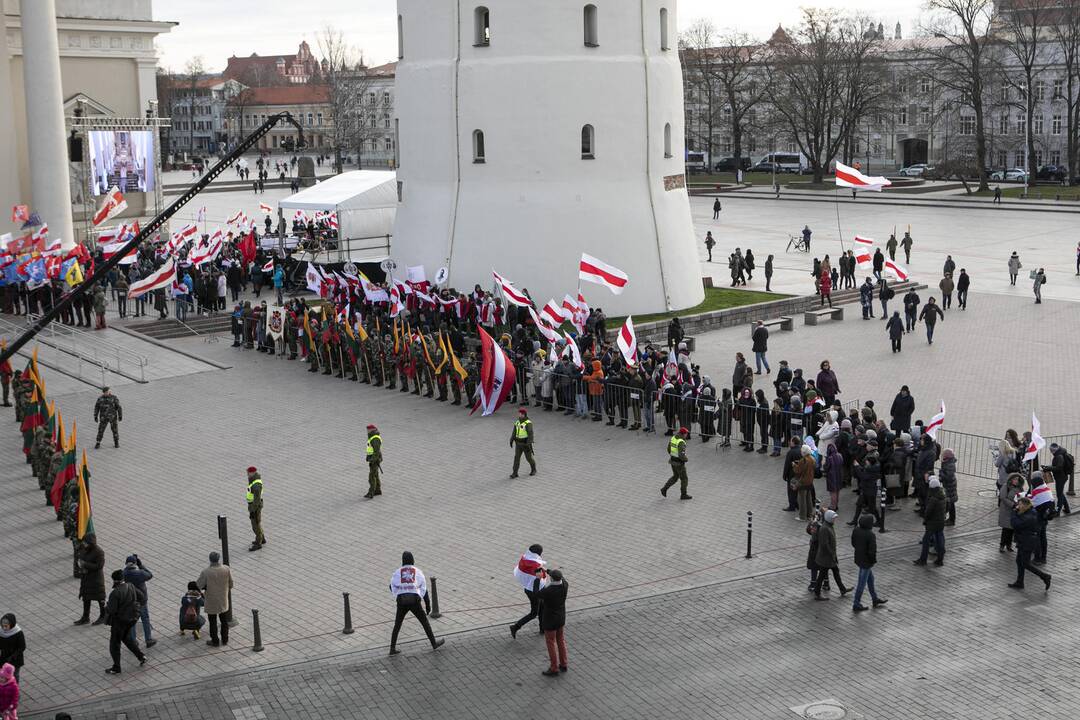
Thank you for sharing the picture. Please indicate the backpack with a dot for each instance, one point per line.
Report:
(1070, 462)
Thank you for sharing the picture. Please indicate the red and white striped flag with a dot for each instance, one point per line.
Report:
(332, 221)
(546, 329)
(162, 277)
(574, 352)
(511, 293)
(108, 250)
(627, 341)
(209, 251)
(895, 269)
(497, 376)
(235, 218)
(42, 233)
(936, 422)
(553, 314)
(1037, 442)
(852, 178)
(266, 208)
(114, 205)
(299, 216)
(597, 271)
(268, 266)
(863, 256)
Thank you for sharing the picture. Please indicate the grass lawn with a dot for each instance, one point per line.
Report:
(1039, 192)
(752, 178)
(715, 299)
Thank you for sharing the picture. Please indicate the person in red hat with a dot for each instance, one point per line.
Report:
(521, 439)
(374, 461)
(255, 506)
(677, 459)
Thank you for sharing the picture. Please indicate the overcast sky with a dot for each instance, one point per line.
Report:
(216, 29)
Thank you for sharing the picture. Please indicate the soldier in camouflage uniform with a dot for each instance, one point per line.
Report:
(20, 395)
(388, 353)
(69, 512)
(55, 462)
(442, 371)
(290, 332)
(472, 378)
(41, 454)
(312, 342)
(107, 411)
(401, 362)
(416, 357)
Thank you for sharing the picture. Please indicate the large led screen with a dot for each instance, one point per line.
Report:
(122, 158)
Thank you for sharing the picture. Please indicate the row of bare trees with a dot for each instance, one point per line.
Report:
(821, 82)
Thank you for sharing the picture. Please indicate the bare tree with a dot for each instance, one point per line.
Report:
(348, 82)
(166, 95)
(1066, 33)
(194, 69)
(822, 84)
(1027, 27)
(744, 78)
(963, 60)
(253, 77)
(696, 51)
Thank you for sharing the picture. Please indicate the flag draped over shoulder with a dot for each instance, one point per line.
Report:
(497, 376)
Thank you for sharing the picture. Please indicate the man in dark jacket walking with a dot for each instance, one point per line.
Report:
(930, 314)
(911, 309)
(137, 575)
(934, 523)
(553, 619)
(865, 543)
(760, 336)
(1025, 524)
(122, 611)
(1062, 467)
(962, 284)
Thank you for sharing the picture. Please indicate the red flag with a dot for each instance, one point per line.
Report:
(248, 247)
(20, 213)
(497, 376)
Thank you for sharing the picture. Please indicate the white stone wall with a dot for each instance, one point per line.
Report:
(534, 205)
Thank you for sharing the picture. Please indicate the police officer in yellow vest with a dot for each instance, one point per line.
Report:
(374, 461)
(521, 439)
(255, 506)
(677, 458)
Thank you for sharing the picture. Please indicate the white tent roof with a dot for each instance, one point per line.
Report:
(364, 200)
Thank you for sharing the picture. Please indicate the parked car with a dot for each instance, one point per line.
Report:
(766, 167)
(728, 164)
(916, 170)
(1052, 173)
(1010, 175)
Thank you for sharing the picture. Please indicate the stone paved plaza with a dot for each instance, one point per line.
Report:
(668, 616)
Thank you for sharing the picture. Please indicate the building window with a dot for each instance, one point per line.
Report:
(388, 144)
(400, 190)
(397, 142)
(483, 27)
(1023, 88)
(592, 36)
(664, 45)
(924, 115)
(1021, 125)
(1004, 97)
(1003, 126)
(310, 119)
(1038, 158)
(1019, 159)
(386, 120)
(1037, 124)
(1055, 157)
(400, 39)
(1002, 158)
(1055, 125)
(587, 142)
(901, 86)
(1040, 89)
(667, 140)
(901, 116)
(1059, 89)
(320, 119)
(967, 124)
(726, 144)
(924, 84)
(478, 154)
(371, 98)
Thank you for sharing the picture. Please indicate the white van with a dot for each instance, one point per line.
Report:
(786, 162)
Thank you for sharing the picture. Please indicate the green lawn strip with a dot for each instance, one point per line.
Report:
(715, 299)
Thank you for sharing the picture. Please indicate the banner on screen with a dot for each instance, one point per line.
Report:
(124, 158)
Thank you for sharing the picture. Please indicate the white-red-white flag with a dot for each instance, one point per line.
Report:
(895, 270)
(574, 352)
(597, 271)
(114, 205)
(497, 376)
(42, 233)
(627, 341)
(206, 251)
(162, 277)
(237, 217)
(299, 216)
(936, 422)
(314, 278)
(544, 327)
(108, 250)
(512, 294)
(266, 208)
(553, 314)
(268, 266)
(852, 178)
(1037, 442)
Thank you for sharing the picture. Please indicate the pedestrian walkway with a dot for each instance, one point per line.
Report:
(752, 648)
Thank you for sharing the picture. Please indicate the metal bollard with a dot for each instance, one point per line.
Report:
(749, 533)
(258, 647)
(881, 511)
(223, 534)
(434, 598)
(348, 630)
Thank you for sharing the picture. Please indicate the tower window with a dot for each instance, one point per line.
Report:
(400, 39)
(667, 140)
(592, 36)
(587, 143)
(483, 27)
(478, 154)
(664, 45)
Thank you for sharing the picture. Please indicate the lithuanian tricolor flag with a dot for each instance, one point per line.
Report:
(86, 514)
(67, 468)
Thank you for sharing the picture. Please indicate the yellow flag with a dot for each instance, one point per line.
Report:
(363, 333)
(71, 438)
(395, 335)
(446, 356)
(74, 275)
(456, 364)
(427, 355)
(60, 432)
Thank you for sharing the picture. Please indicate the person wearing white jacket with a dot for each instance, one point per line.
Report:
(828, 433)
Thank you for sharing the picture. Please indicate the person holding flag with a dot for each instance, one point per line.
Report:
(521, 439)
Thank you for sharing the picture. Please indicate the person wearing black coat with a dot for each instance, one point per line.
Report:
(903, 407)
(123, 610)
(92, 580)
(895, 328)
(12, 643)
(674, 333)
(865, 543)
(553, 619)
(868, 474)
(924, 468)
(794, 454)
(934, 523)
(1025, 523)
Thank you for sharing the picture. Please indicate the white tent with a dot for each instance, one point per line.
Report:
(365, 202)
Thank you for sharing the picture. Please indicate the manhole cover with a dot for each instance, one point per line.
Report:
(988, 493)
(824, 710)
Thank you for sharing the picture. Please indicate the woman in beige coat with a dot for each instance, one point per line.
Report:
(216, 582)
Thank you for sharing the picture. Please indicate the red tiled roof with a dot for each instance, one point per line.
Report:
(387, 70)
(288, 95)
